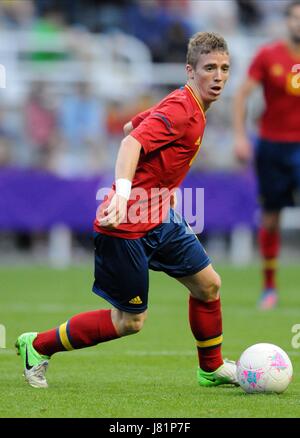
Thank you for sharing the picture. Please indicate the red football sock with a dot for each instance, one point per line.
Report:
(206, 324)
(269, 245)
(82, 330)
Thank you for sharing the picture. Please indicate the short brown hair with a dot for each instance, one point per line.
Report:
(203, 43)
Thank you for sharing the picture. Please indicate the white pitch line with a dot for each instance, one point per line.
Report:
(97, 352)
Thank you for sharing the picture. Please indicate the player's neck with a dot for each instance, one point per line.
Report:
(196, 92)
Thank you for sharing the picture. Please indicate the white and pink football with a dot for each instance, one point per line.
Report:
(264, 368)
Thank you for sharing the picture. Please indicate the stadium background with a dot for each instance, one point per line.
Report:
(76, 71)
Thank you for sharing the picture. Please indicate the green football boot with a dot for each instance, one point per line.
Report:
(224, 375)
(35, 364)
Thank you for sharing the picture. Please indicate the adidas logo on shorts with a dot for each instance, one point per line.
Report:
(136, 300)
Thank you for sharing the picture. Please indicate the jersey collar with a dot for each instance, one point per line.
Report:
(196, 100)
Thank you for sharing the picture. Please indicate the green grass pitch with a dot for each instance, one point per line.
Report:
(153, 373)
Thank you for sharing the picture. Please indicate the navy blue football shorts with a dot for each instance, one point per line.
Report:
(278, 171)
(121, 265)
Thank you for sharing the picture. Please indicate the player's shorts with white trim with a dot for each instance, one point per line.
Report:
(121, 265)
(278, 172)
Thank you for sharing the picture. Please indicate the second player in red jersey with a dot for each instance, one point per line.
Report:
(276, 69)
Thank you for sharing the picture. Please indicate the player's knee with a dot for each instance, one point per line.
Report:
(211, 290)
(133, 324)
(132, 327)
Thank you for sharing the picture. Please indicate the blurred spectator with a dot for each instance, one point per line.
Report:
(83, 133)
(48, 36)
(272, 12)
(41, 126)
(5, 142)
(175, 43)
(17, 14)
(149, 22)
(70, 9)
(213, 15)
(175, 7)
(102, 16)
(120, 113)
(116, 118)
(249, 13)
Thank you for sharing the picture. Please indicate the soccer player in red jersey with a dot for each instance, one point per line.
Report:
(276, 69)
(137, 228)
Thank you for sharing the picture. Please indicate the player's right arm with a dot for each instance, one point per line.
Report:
(126, 164)
(242, 146)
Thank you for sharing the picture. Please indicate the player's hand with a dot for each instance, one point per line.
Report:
(115, 213)
(243, 150)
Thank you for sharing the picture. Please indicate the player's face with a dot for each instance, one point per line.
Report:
(210, 75)
(293, 23)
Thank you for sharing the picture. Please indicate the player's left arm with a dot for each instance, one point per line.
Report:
(135, 121)
(256, 74)
(242, 145)
(127, 128)
(126, 164)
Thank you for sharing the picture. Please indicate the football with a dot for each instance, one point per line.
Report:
(264, 368)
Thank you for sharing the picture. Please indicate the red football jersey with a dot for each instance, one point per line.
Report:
(170, 134)
(272, 67)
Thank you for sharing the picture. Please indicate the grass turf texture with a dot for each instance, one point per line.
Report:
(153, 373)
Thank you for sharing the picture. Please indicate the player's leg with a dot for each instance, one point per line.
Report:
(205, 318)
(181, 255)
(274, 185)
(80, 331)
(128, 323)
(269, 246)
(121, 270)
